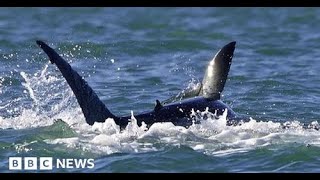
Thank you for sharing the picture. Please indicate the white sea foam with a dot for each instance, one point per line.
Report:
(52, 99)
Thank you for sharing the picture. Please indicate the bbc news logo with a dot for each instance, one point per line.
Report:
(48, 163)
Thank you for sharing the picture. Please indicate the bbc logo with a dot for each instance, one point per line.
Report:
(30, 163)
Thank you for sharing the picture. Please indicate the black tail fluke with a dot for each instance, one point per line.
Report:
(92, 107)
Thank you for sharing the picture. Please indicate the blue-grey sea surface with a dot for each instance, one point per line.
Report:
(133, 56)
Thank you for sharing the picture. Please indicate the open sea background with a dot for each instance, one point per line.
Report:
(133, 56)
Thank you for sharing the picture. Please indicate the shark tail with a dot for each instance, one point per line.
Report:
(217, 72)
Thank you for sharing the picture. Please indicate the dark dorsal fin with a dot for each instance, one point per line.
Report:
(158, 105)
(92, 107)
(217, 72)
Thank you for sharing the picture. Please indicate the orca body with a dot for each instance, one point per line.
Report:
(178, 110)
(180, 113)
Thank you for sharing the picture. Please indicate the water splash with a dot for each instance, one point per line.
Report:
(27, 85)
(212, 137)
(52, 99)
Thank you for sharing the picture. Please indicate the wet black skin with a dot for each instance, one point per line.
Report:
(179, 112)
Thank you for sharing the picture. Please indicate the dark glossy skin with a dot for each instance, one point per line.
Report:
(217, 72)
(179, 112)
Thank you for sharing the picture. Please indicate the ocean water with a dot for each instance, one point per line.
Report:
(133, 56)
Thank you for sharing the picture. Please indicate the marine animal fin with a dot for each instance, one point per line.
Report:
(214, 79)
(92, 107)
(217, 72)
(186, 93)
(158, 105)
